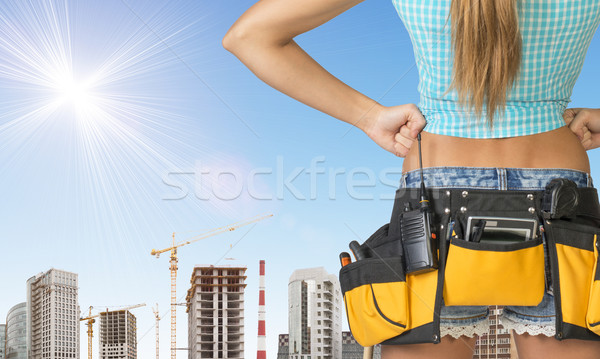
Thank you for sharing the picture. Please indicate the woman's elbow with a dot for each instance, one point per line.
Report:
(247, 35)
(233, 38)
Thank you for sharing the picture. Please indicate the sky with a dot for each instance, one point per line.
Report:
(123, 121)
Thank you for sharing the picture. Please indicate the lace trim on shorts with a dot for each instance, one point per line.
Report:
(470, 331)
(531, 329)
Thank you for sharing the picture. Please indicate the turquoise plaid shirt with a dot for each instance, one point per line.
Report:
(556, 35)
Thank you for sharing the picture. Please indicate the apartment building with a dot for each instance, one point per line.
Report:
(315, 315)
(53, 315)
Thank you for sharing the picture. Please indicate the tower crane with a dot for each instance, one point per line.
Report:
(90, 323)
(157, 316)
(173, 267)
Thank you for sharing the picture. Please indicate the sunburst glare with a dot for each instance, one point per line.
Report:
(101, 115)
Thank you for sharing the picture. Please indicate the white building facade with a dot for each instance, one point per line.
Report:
(2, 339)
(315, 315)
(53, 315)
(16, 332)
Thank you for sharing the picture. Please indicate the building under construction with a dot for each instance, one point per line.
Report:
(118, 335)
(215, 307)
(498, 343)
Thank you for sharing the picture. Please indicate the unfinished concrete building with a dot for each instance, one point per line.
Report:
(215, 307)
(118, 335)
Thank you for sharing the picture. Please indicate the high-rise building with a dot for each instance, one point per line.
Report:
(118, 335)
(16, 332)
(215, 307)
(53, 315)
(315, 315)
(352, 350)
(283, 346)
(2, 339)
(497, 343)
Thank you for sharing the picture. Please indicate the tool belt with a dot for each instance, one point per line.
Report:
(388, 306)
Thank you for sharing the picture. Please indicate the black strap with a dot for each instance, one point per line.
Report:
(523, 203)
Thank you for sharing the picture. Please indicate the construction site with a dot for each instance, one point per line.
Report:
(47, 325)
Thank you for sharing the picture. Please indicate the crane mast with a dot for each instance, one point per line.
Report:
(90, 323)
(173, 268)
(157, 317)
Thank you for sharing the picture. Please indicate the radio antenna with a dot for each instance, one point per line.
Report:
(423, 193)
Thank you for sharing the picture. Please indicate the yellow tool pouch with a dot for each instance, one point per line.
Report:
(494, 273)
(593, 314)
(385, 305)
(376, 298)
(575, 278)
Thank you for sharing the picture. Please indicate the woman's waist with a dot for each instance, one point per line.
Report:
(517, 118)
(492, 178)
(553, 149)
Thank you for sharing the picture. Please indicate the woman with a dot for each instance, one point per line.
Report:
(493, 99)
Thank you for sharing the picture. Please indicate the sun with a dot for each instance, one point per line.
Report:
(72, 92)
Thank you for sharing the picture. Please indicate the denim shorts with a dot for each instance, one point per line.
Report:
(468, 321)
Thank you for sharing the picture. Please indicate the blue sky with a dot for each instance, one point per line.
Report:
(117, 116)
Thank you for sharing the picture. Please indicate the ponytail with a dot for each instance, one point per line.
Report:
(487, 52)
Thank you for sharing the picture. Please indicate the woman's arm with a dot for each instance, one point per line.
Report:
(262, 38)
(585, 123)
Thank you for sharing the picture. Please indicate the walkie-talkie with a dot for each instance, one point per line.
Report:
(418, 242)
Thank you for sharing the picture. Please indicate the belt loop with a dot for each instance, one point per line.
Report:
(502, 180)
(403, 180)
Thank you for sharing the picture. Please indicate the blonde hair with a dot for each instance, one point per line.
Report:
(487, 52)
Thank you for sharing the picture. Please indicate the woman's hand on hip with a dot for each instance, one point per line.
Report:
(585, 123)
(395, 128)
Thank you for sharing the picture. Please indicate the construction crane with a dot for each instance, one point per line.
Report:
(157, 316)
(90, 323)
(173, 267)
